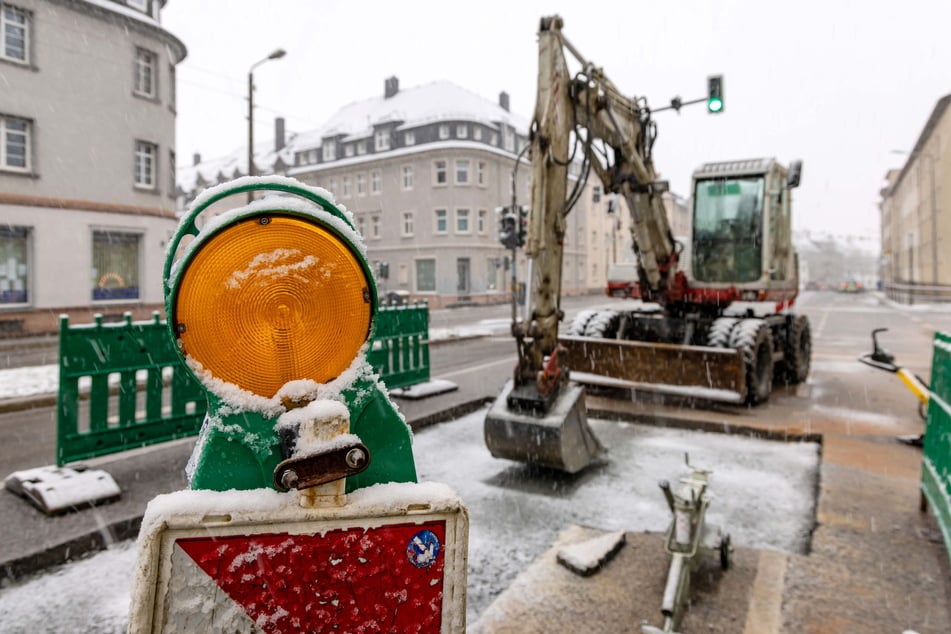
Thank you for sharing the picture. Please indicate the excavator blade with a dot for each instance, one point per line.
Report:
(695, 371)
(559, 438)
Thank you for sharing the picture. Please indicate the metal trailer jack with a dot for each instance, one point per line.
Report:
(689, 539)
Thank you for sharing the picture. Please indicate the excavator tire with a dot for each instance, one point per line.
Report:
(580, 322)
(604, 325)
(719, 335)
(797, 352)
(753, 339)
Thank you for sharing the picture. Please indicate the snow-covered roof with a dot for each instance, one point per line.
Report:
(412, 107)
(419, 105)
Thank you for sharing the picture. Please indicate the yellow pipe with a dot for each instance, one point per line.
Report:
(913, 384)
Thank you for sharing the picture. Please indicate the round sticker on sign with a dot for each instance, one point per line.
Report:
(423, 549)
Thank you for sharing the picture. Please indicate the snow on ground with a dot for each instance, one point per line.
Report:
(763, 495)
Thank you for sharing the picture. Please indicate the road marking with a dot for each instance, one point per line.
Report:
(476, 368)
(822, 323)
(764, 615)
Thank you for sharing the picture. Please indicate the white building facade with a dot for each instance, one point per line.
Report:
(87, 159)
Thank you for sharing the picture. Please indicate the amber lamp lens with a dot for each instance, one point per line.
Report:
(273, 299)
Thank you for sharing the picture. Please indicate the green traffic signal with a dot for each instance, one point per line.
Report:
(715, 94)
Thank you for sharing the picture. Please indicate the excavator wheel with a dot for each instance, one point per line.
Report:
(580, 322)
(603, 325)
(719, 334)
(798, 352)
(753, 339)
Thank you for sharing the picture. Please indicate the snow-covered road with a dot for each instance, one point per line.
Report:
(764, 495)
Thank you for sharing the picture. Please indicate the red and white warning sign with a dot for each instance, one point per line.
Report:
(393, 559)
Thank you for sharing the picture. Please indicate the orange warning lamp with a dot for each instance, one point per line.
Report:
(271, 294)
(256, 309)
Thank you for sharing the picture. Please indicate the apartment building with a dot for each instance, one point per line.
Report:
(916, 214)
(424, 171)
(87, 159)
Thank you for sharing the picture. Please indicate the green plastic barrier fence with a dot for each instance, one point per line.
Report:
(936, 464)
(121, 358)
(174, 405)
(400, 349)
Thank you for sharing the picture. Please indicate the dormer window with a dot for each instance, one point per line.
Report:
(462, 131)
(444, 131)
(409, 137)
(329, 150)
(381, 140)
(361, 148)
(348, 149)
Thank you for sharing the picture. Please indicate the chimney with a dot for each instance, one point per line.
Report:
(391, 86)
(196, 159)
(504, 100)
(279, 141)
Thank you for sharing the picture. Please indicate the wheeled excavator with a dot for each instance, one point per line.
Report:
(724, 333)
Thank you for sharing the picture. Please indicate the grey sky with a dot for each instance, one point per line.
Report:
(838, 84)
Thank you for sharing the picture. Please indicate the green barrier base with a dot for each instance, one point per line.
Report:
(241, 451)
(933, 490)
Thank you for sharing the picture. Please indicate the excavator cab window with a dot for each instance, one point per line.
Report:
(728, 229)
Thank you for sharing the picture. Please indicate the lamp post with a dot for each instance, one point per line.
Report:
(276, 54)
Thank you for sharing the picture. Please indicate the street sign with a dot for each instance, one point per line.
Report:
(356, 568)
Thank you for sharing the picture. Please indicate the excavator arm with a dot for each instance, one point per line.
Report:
(616, 133)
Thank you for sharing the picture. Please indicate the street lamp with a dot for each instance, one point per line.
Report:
(916, 154)
(276, 54)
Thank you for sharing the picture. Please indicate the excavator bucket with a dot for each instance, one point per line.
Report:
(710, 373)
(559, 438)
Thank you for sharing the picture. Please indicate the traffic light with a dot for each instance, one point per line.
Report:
(508, 228)
(715, 94)
(522, 224)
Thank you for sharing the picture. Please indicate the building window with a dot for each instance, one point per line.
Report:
(462, 221)
(329, 150)
(492, 274)
(361, 185)
(462, 131)
(440, 173)
(442, 221)
(596, 194)
(115, 262)
(409, 138)
(348, 150)
(141, 5)
(494, 139)
(145, 154)
(14, 267)
(332, 186)
(407, 177)
(407, 229)
(144, 73)
(480, 173)
(381, 140)
(477, 133)
(376, 183)
(172, 95)
(361, 147)
(508, 138)
(444, 131)
(171, 173)
(375, 224)
(362, 225)
(480, 221)
(14, 33)
(15, 144)
(426, 275)
(347, 187)
(403, 275)
(462, 172)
